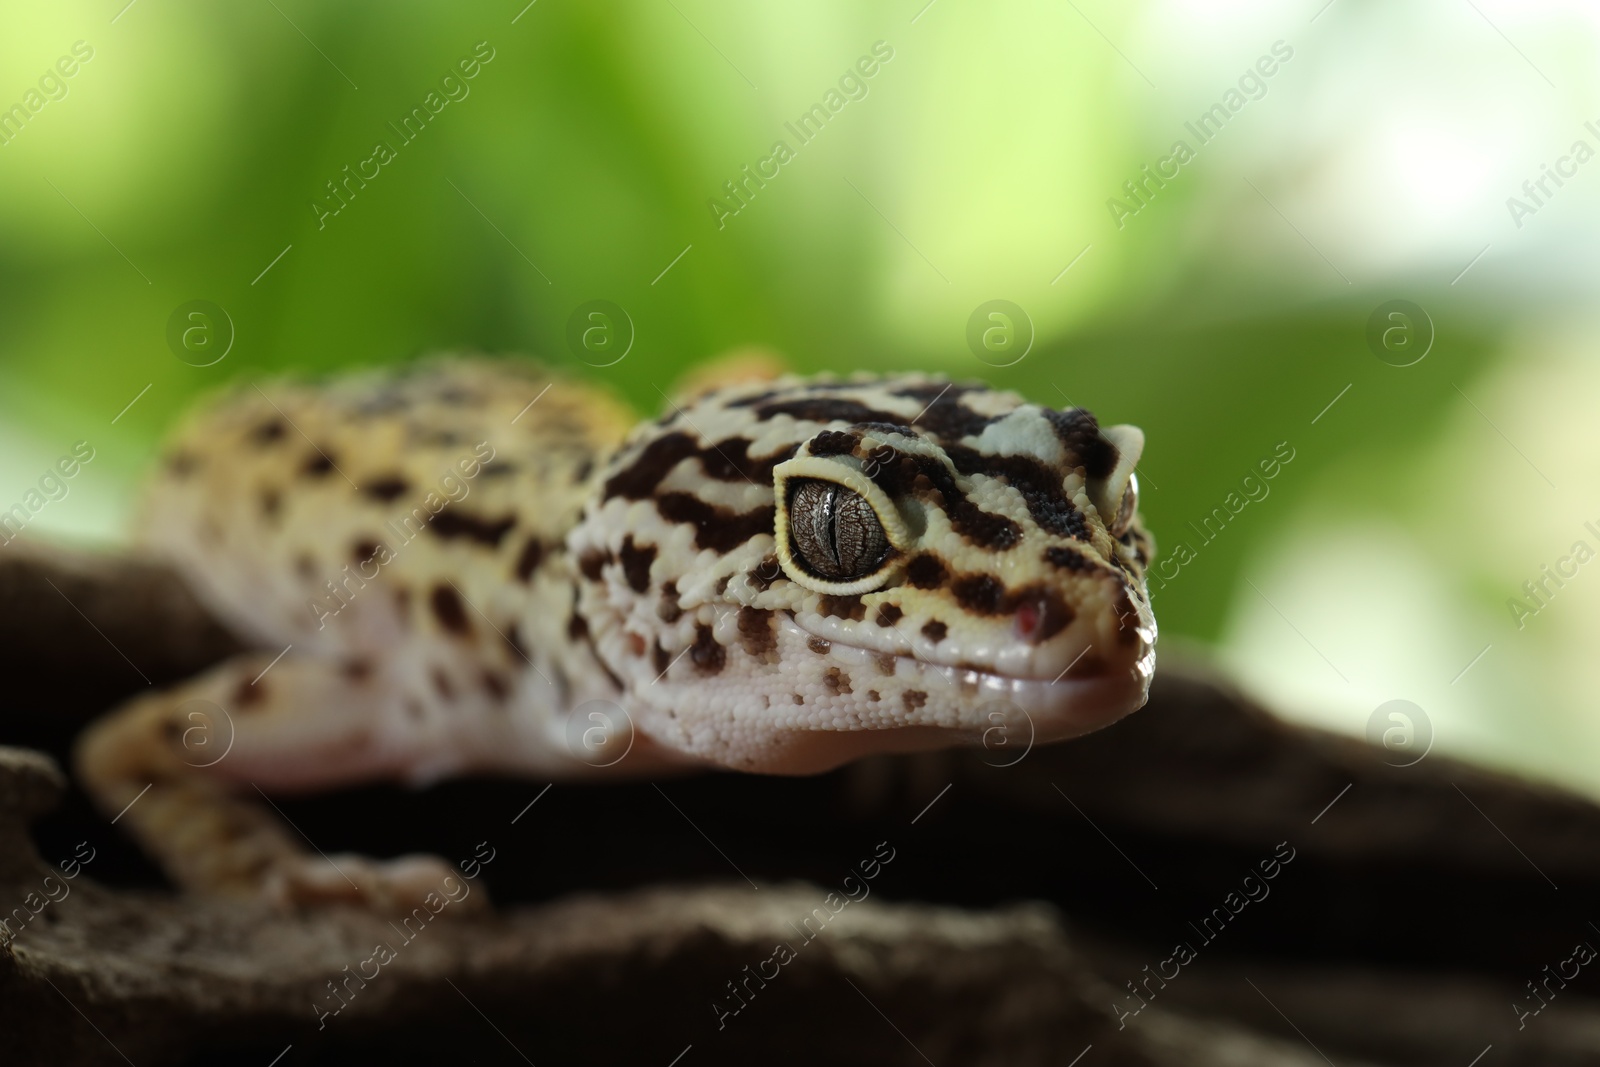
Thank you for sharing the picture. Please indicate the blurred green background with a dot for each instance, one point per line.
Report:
(1224, 311)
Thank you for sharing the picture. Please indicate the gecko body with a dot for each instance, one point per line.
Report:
(477, 565)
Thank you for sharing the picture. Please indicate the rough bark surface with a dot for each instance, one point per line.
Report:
(1030, 901)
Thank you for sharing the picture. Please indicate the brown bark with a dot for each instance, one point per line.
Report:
(1414, 911)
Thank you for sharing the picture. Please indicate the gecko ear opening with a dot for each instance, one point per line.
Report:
(1116, 497)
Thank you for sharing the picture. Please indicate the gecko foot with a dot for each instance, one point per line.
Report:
(396, 886)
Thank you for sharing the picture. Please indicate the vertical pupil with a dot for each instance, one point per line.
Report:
(834, 530)
(824, 525)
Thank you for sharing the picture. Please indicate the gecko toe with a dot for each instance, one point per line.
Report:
(397, 886)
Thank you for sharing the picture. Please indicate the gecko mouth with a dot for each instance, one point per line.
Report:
(1089, 693)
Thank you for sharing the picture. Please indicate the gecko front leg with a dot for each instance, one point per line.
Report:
(188, 771)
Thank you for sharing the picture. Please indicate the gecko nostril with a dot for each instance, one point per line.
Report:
(1028, 616)
(1041, 616)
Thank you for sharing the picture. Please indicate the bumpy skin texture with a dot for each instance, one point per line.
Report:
(1002, 574)
(476, 566)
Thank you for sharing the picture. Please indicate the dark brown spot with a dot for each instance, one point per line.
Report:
(899, 473)
(913, 699)
(357, 670)
(705, 653)
(268, 432)
(305, 567)
(980, 593)
(513, 639)
(946, 416)
(454, 523)
(496, 685)
(872, 695)
(271, 503)
(1067, 559)
(756, 632)
(1041, 487)
(247, 695)
(818, 645)
(363, 551)
(836, 681)
(766, 572)
(441, 683)
(843, 607)
(1080, 435)
(668, 610)
(577, 627)
(529, 558)
(726, 460)
(832, 443)
(722, 585)
(636, 562)
(182, 464)
(662, 660)
(498, 468)
(925, 571)
(798, 699)
(636, 644)
(591, 561)
(448, 609)
(889, 614)
(386, 488)
(824, 409)
(886, 663)
(934, 630)
(638, 481)
(317, 465)
(1127, 618)
(729, 461)
(717, 528)
(582, 471)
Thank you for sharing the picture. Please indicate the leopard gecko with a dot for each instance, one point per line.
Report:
(480, 565)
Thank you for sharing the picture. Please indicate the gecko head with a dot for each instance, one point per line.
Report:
(786, 576)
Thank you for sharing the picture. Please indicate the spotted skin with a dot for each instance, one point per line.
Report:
(1006, 592)
(460, 562)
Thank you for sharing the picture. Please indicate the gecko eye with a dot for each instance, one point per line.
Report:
(1125, 510)
(834, 532)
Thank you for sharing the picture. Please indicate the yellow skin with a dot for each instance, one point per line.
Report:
(475, 566)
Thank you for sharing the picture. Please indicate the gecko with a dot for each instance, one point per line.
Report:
(481, 565)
